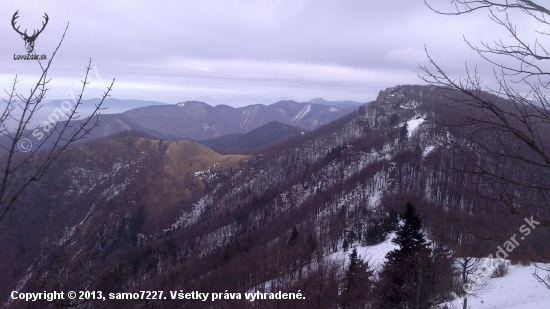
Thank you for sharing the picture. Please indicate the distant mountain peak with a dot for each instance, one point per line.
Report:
(322, 101)
(318, 101)
(188, 103)
(285, 102)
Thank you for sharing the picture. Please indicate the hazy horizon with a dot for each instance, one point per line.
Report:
(252, 50)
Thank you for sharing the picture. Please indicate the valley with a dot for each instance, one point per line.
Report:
(134, 211)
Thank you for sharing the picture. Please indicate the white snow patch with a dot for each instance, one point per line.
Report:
(302, 113)
(376, 255)
(332, 109)
(517, 290)
(282, 111)
(413, 124)
(428, 150)
(245, 118)
(374, 200)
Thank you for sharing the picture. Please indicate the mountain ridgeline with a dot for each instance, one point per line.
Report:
(268, 133)
(194, 120)
(200, 121)
(175, 215)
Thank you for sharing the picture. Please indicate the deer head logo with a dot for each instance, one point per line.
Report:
(29, 40)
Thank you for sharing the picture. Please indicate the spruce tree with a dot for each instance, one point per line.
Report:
(404, 132)
(407, 278)
(358, 282)
(409, 237)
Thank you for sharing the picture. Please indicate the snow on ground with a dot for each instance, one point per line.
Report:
(374, 200)
(413, 124)
(428, 150)
(302, 113)
(517, 290)
(376, 255)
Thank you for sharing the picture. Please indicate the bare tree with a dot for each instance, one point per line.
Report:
(506, 125)
(21, 162)
(473, 280)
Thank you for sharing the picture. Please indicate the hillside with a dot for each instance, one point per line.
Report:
(178, 216)
(151, 180)
(259, 137)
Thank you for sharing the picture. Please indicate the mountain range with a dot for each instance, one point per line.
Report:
(197, 120)
(136, 211)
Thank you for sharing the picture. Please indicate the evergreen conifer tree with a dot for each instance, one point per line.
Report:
(408, 278)
(404, 132)
(358, 283)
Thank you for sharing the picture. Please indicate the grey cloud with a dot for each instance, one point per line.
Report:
(308, 48)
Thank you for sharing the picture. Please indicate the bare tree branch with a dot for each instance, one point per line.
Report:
(18, 169)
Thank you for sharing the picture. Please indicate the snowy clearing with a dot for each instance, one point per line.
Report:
(413, 124)
(517, 290)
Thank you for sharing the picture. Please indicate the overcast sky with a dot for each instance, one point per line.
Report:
(239, 51)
